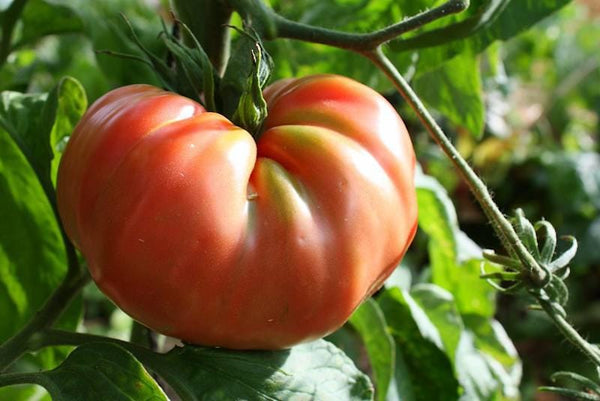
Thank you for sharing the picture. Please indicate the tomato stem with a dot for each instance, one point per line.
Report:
(17, 345)
(589, 350)
(275, 26)
(502, 226)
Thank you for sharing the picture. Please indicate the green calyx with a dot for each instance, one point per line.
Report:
(251, 110)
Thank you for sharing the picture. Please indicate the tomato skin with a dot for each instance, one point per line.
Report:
(201, 233)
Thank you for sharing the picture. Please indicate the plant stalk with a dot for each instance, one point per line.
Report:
(280, 27)
(502, 226)
(17, 345)
(8, 379)
(570, 333)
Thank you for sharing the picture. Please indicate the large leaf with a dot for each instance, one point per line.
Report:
(480, 355)
(32, 255)
(32, 260)
(424, 370)
(38, 123)
(98, 372)
(24, 393)
(316, 371)
(370, 323)
(455, 259)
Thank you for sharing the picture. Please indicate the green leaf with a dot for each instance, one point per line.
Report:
(370, 323)
(483, 377)
(100, 372)
(487, 362)
(70, 101)
(454, 89)
(38, 123)
(480, 355)
(32, 256)
(492, 339)
(41, 18)
(439, 306)
(423, 370)
(248, 70)
(252, 107)
(437, 216)
(315, 371)
(455, 259)
(23, 117)
(24, 393)
(347, 339)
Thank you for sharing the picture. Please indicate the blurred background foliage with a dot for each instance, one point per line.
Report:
(538, 149)
(539, 152)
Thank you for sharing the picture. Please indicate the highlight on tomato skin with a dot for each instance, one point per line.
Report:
(202, 233)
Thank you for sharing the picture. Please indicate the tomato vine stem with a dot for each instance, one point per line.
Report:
(17, 345)
(502, 226)
(592, 352)
(281, 27)
(56, 337)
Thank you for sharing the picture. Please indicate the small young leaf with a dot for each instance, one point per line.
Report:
(29, 235)
(370, 323)
(575, 380)
(70, 101)
(29, 238)
(252, 107)
(245, 72)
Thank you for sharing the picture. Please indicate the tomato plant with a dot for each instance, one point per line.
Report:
(203, 234)
(233, 221)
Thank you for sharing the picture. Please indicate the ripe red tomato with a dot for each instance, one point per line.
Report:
(202, 233)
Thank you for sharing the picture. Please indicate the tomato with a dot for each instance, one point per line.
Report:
(200, 232)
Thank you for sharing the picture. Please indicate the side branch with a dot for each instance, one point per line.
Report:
(17, 345)
(284, 28)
